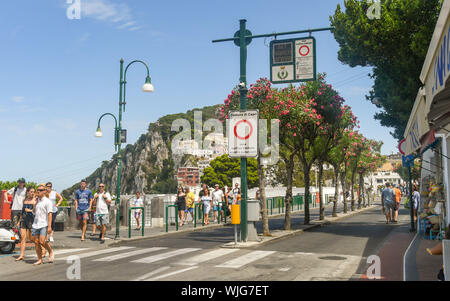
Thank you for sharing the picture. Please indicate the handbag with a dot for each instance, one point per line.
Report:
(406, 203)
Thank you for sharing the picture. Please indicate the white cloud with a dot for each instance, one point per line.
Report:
(105, 10)
(18, 99)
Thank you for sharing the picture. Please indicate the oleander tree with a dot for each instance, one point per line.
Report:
(369, 161)
(331, 136)
(357, 145)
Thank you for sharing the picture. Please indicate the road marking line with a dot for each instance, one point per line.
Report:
(59, 252)
(165, 255)
(99, 252)
(206, 256)
(143, 277)
(171, 274)
(130, 254)
(245, 259)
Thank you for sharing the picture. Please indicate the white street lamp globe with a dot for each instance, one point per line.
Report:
(98, 133)
(148, 87)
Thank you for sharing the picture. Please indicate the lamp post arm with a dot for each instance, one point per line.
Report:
(115, 119)
(124, 82)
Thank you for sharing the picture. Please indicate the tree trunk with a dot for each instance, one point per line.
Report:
(344, 190)
(336, 190)
(262, 198)
(288, 198)
(306, 170)
(360, 190)
(322, 208)
(353, 191)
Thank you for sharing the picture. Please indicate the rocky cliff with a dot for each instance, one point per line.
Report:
(147, 165)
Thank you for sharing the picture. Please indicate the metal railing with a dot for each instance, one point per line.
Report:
(167, 216)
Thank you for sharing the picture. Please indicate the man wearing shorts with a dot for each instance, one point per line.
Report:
(398, 198)
(42, 224)
(102, 199)
(19, 194)
(388, 202)
(83, 205)
(190, 201)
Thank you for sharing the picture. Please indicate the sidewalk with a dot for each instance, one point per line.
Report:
(72, 238)
(419, 265)
(403, 255)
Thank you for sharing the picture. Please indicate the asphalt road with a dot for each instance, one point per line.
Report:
(333, 252)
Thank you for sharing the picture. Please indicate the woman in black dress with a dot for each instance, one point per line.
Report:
(26, 220)
(181, 203)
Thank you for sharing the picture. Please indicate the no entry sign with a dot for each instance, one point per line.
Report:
(243, 133)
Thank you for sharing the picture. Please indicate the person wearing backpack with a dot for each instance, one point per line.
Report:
(18, 193)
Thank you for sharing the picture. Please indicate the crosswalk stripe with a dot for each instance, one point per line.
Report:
(162, 256)
(143, 277)
(130, 254)
(245, 259)
(59, 252)
(205, 257)
(171, 274)
(99, 252)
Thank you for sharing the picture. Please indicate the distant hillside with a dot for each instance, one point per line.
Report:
(148, 164)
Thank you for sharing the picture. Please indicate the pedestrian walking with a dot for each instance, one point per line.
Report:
(217, 197)
(416, 200)
(83, 205)
(26, 220)
(388, 202)
(190, 203)
(398, 198)
(207, 204)
(200, 195)
(18, 195)
(235, 192)
(102, 200)
(53, 196)
(42, 224)
(181, 203)
(137, 202)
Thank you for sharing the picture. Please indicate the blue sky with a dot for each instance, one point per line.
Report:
(59, 75)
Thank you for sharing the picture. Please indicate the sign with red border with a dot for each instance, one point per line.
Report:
(243, 133)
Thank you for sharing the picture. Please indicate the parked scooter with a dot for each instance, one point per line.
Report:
(8, 237)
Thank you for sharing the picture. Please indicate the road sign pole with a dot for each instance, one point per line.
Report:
(243, 99)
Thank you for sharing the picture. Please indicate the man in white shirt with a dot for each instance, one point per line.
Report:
(102, 200)
(217, 196)
(19, 193)
(42, 224)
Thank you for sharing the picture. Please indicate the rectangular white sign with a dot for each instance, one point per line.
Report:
(243, 133)
(304, 59)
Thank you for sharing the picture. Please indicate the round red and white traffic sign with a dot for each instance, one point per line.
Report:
(246, 122)
(304, 50)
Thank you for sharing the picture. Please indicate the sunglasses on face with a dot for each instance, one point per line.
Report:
(41, 189)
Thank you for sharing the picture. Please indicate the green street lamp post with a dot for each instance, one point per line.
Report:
(118, 139)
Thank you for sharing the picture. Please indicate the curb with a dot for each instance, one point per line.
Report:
(164, 234)
(289, 233)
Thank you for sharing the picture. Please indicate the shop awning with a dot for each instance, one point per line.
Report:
(427, 139)
(417, 125)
